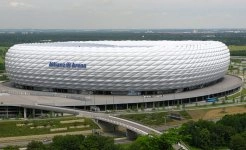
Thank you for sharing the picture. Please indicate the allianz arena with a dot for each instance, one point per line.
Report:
(117, 67)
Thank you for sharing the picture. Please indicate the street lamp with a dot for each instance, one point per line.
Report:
(94, 100)
(113, 102)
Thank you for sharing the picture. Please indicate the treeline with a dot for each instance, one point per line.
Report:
(238, 53)
(97, 142)
(9, 39)
(229, 132)
(3, 51)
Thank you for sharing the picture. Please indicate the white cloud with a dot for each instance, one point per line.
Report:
(19, 4)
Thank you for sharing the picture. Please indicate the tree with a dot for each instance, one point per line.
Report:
(238, 142)
(205, 139)
(36, 145)
(67, 142)
(11, 148)
(172, 136)
(226, 98)
(93, 142)
(151, 142)
(241, 98)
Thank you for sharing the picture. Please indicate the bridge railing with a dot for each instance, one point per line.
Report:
(123, 125)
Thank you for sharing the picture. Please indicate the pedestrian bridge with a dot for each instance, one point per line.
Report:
(106, 121)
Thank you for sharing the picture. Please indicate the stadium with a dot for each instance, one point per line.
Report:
(117, 67)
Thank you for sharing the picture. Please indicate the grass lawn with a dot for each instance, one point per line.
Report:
(156, 118)
(243, 92)
(3, 51)
(10, 128)
(237, 50)
(237, 47)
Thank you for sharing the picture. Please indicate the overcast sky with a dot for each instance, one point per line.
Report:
(122, 14)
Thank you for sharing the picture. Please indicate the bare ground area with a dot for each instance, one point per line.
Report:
(218, 113)
(205, 114)
(211, 114)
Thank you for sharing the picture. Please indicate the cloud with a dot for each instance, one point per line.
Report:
(19, 4)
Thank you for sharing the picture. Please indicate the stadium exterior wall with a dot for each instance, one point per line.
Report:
(117, 66)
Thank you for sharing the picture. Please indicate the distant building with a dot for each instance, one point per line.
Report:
(117, 67)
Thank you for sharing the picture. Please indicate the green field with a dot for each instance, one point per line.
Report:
(45, 126)
(238, 94)
(237, 50)
(157, 118)
(237, 47)
(3, 51)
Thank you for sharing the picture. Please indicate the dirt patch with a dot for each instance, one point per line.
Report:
(205, 114)
(220, 112)
(197, 114)
(210, 114)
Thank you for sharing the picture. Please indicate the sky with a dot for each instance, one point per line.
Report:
(122, 14)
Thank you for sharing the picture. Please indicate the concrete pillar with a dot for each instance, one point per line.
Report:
(107, 127)
(52, 114)
(131, 134)
(19, 112)
(127, 106)
(7, 112)
(33, 113)
(24, 113)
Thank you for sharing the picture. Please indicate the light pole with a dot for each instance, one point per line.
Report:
(94, 100)
(106, 105)
(85, 104)
(113, 102)
(143, 102)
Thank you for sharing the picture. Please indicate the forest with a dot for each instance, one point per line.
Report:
(9, 38)
(229, 132)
